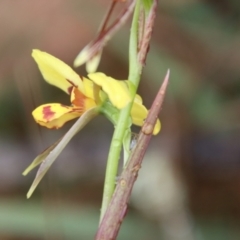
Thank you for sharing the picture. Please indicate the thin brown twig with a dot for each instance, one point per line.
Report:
(147, 34)
(107, 17)
(110, 225)
(141, 27)
(103, 37)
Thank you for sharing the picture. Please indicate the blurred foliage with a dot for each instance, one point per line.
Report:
(30, 220)
(197, 40)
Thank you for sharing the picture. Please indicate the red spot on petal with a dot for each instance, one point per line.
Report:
(48, 113)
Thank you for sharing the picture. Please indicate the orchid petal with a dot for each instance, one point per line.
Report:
(118, 93)
(59, 146)
(157, 127)
(92, 63)
(88, 86)
(139, 114)
(55, 115)
(80, 101)
(56, 72)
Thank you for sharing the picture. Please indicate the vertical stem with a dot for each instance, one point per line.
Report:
(134, 66)
(116, 144)
(117, 208)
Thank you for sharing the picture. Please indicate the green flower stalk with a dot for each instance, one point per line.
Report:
(111, 222)
(137, 56)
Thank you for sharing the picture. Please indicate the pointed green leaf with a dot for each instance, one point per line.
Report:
(60, 145)
(40, 158)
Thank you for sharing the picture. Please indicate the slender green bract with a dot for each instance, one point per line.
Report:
(47, 158)
(123, 122)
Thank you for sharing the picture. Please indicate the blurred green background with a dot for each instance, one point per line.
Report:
(189, 185)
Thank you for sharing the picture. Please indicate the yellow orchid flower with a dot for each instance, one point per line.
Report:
(84, 94)
(88, 97)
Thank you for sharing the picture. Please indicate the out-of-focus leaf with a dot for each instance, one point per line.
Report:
(30, 220)
(207, 108)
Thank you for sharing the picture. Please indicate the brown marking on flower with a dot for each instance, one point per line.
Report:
(76, 110)
(79, 99)
(64, 106)
(48, 113)
(70, 89)
(72, 83)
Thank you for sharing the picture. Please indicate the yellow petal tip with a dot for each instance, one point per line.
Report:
(157, 127)
(82, 57)
(92, 64)
(56, 72)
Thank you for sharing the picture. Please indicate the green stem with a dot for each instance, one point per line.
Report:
(134, 66)
(122, 124)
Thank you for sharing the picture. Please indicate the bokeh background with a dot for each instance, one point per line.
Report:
(189, 185)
